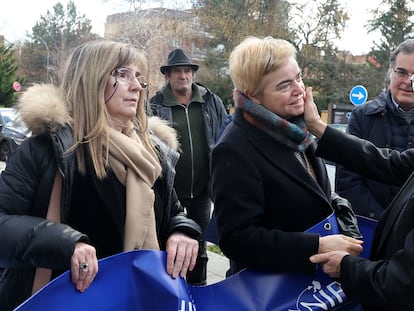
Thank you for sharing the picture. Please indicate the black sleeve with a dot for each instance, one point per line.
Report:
(179, 221)
(385, 283)
(382, 164)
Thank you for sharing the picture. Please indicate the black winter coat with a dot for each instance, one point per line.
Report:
(28, 240)
(386, 281)
(377, 122)
(213, 111)
(264, 199)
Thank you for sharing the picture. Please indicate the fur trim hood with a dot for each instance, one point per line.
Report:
(42, 108)
(163, 131)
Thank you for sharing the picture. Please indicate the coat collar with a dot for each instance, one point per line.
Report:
(170, 100)
(379, 104)
(283, 158)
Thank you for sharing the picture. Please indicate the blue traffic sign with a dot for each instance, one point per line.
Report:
(358, 95)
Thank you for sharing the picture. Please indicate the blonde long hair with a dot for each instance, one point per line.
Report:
(83, 85)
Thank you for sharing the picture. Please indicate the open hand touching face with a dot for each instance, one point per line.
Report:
(311, 115)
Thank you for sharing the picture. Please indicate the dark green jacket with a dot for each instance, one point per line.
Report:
(199, 127)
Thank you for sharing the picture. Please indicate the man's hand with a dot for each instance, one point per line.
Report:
(330, 262)
(311, 115)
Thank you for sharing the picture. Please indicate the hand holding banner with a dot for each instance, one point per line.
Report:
(138, 281)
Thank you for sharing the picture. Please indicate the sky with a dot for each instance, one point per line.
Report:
(19, 16)
(356, 38)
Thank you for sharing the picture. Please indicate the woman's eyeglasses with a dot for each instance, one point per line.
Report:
(126, 76)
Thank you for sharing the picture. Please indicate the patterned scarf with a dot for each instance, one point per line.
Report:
(138, 170)
(293, 133)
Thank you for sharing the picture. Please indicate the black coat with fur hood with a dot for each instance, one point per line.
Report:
(27, 239)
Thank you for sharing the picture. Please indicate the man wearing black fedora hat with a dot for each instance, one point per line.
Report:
(198, 115)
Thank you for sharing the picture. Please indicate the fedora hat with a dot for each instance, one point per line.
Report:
(178, 57)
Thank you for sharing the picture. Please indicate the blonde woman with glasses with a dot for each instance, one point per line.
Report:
(95, 179)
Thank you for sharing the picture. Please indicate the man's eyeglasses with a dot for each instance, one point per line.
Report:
(402, 75)
(126, 76)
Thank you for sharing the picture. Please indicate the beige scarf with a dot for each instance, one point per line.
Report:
(138, 170)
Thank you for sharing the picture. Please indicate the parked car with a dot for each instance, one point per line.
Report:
(339, 126)
(12, 132)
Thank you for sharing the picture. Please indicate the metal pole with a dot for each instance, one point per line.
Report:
(47, 56)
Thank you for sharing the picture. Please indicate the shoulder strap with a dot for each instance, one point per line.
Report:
(43, 275)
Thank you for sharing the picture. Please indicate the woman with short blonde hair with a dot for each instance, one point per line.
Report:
(268, 186)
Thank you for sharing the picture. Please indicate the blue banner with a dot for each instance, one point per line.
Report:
(138, 281)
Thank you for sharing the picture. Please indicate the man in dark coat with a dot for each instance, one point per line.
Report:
(386, 280)
(386, 121)
(198, 115)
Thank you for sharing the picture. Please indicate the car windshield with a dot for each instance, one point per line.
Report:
(11, 119)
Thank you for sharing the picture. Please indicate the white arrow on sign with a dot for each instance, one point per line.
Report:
(359, 95)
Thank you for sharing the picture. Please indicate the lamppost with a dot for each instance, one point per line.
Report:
(47, 55)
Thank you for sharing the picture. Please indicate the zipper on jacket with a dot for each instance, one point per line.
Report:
(191, 150)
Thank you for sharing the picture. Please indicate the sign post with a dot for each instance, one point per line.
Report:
(16, 86)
